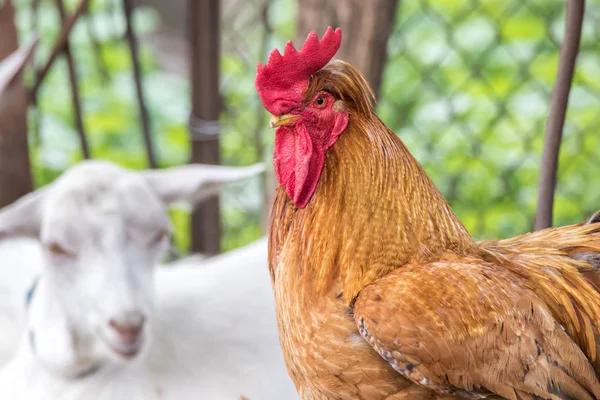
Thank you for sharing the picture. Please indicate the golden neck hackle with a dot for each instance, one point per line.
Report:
(374, 209)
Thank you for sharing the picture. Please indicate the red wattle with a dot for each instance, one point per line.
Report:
(299, 155)
(298, 163)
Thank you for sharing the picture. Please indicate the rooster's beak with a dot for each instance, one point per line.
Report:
(284, 119)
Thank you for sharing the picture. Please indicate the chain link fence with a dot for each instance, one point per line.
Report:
(250, 29)
(467, 86)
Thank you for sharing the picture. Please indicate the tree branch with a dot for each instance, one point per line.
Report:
(137, 75)
(97, 50)
(558, 109)
(34, 15)
(74, 88)
(59, 46)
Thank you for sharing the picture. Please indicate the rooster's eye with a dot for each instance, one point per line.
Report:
(320, 101)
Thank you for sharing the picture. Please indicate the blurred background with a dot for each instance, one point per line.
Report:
(466, 84)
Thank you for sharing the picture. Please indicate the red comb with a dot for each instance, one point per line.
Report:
(282, 80)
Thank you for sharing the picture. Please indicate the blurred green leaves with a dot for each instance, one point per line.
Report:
(467, 87)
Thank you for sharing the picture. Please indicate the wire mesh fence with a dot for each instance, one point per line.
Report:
(250, 30)
(467, 86)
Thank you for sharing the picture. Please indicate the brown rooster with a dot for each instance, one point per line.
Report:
(381, 293)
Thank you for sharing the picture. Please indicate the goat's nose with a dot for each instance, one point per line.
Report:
(128, 328)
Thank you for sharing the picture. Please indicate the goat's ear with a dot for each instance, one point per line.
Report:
(23, 217)
(195, 182)
(12, 65)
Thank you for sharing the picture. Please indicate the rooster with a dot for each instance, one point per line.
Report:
(381, 293)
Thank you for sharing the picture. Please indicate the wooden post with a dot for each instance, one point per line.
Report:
(204, 27)
(15, 171)
(366, 27)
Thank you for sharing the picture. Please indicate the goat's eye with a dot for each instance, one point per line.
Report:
(320, 101)
(57, 250)
(162, 234)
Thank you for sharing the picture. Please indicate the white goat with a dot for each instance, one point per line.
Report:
(20, 264)
(92, 328)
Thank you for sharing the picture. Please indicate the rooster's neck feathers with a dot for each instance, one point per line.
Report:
(374, 209)
(346, 83)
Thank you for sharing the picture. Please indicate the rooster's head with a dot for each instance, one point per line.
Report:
(311, 99)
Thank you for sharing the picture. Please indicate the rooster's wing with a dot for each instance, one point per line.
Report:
(470, 328)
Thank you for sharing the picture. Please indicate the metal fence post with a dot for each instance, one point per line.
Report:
(204, 28)
(558, 112)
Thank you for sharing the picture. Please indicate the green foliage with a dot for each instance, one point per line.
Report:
(110, 109)
(246, 137)
(109, 102)
(467, 87)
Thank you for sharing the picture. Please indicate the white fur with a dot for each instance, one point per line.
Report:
(20, 263)
(209, 330)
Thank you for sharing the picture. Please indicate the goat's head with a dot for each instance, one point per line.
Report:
(103, 228)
